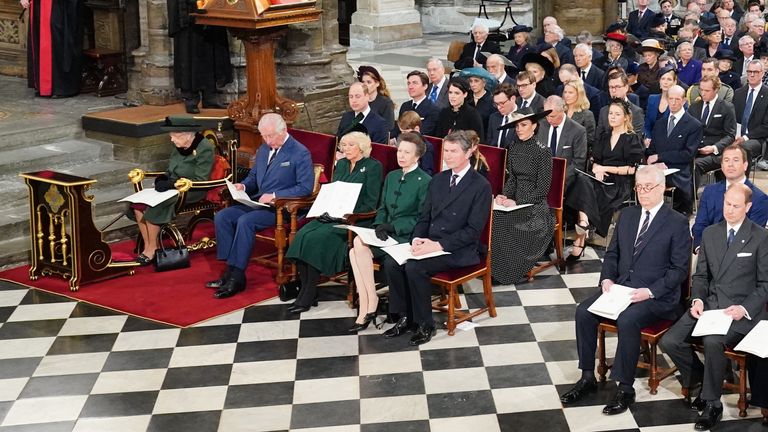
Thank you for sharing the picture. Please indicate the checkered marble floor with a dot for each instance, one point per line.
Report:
(70, 366)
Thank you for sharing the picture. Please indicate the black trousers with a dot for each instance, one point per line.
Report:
(677, 344)
(630, 322)
(410, 283)
(309, 277)
(758, 380)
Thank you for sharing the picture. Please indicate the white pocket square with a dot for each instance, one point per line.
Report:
(717, 115)
(565, 147)
(285, 163)
(743, 254)
(679, 136)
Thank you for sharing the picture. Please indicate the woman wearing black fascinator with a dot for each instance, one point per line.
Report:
(379, 98)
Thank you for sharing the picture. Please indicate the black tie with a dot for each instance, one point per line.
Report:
(583, 75)
(553, 141)
(525, 104)
(727, 41)
(643, 230)
(453, 180)
(705, 115)
(272, 157)
(731, 235)
(415, 105)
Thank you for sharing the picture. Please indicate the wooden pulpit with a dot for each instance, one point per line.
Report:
(63, 238)
(259, 24)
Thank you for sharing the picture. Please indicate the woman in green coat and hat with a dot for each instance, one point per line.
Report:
(192, 159)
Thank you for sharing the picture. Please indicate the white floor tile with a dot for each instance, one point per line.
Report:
(43, 311)
(93, 325)
(326, 390)
(44, 410)
(11, 297)
(129, 381)
(331, 346)
(259, 419)
(581, 280)
(508, 315)
(23, 348)
(509, 354)
(456, 380)
(190, 400)
(533, 398)
(113, 424)
(71, 364)
(263, 372)
(554, 331)
(148, 339)
(484, 423)
(235, 317)
(393, 409)
(544, 297)
(389, 363)
(261, 331)
(564, 372)
(203, 355)
(591, 418)
(459, 339)
(11, 388)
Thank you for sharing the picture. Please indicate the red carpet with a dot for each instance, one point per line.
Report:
(177, 297)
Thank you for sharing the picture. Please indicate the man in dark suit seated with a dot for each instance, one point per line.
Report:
(555, 36)
(590, 74)
(674, 142)
(417, 83)
(471, 55)
(453, 216)
(566, 138)
(504, 97)
(526, 89)
(438, 83)
(596, 97)
(640, 20)
(497, 66)
(282, 168)
(718, 120)
(731, 274)
(650, 252)
(734, 166)
(751, 103)
(361, 113)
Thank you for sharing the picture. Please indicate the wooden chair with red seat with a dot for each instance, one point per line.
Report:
(649, 339)
(322, 147)
(555, 199)
(437, 151)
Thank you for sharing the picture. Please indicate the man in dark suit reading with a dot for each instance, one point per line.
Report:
(453, 216)
(650, 252)
(732, 275)
(282, 169)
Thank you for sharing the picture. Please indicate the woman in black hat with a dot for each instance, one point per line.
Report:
(192, 159)
(458, 115)
(543, 69)
(647, 72)
(522, 46)
(714, 38)
(725, 60)
(615, 157)
(379, 98)
(519, 238)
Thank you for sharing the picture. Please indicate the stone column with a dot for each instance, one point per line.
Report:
(139, 54)
(156, 83)
(385, 24)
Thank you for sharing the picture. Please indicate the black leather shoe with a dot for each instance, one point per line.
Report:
(578, 391)
(217, 283)
(422, 335)
(709, 417)
(400, 328)
(297, 309)
(214, 105)
(191, 108)
(366, 321)
(620, 403)
(764, 413)
(698, 404)
(289, 290)
(230, 288)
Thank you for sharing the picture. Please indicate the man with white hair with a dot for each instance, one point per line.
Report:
(496, 66)
(585, 37)
(471, 55)
(674, 143)
(582, 58)
(438, 83)
(555, 36)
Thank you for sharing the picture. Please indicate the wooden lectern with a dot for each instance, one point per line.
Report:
(63, 238)
(259, 24)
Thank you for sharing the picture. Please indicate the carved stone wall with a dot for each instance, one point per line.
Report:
(13, 39)
(458, 15)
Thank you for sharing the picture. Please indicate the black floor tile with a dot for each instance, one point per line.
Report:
(18, 367)
(451, 358)
(4, 408)
(198, 376)
(120, 404)
(83, 344)
(514, 333)
(31, 329)
(664, 412)
(376, 343)
(34, 296)
(552, 281)
(325, 414)
(139, 324)
(139, 359)
(60, 385)
(551, 313)
(5, 313)
(584, 266)
(581, 294)
(331, 292)
(201, 421)
(208, 335)
(402, 426)
(267, 313)
(6, 285)
(460, 404)
(84, 310)
(65, 426)
(331, 367)
(549, 421)
(266, 350)
(559, 350)
(522, 375)
(325, 327)
(398, 384)
(741, 425)
(500, 298)
(259, 395)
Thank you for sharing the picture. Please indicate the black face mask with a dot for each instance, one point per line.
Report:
(191, 149)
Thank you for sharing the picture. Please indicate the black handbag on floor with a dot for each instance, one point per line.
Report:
(171, 258)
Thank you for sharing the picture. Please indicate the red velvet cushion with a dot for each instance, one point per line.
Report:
(437, 149)
(321, 146)
(657, 327)
(457, 273)
(385, 154)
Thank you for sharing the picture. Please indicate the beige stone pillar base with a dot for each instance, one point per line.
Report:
(385, 24)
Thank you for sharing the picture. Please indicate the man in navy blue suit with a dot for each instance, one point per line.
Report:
(361, 113)
(674, 144)
(282, 169)
(733, 163)
(417, 83)
(650, 252)
(640, 20)
(504, 97)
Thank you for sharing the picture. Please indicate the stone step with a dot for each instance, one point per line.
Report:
(50, 156)
(42, 134)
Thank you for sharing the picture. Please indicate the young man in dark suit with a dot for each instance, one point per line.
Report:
(282, 169)
(417, 83)
(361, 113)
(504, 97)
(640, 20)
(649, 252)
(526, 89)
(674, 143)
(731, 274)
(718, 121)
(456, 210)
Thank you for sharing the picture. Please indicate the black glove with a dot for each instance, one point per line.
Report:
(383, 231)
(326, 218)
(164, 183)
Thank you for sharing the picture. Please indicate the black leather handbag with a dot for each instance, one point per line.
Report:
(173, 258)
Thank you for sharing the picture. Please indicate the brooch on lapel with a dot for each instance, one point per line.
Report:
(362, 170)
(419, 178)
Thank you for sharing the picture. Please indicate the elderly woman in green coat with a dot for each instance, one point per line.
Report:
(191, 159)
(321, 249)
(401, 200)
